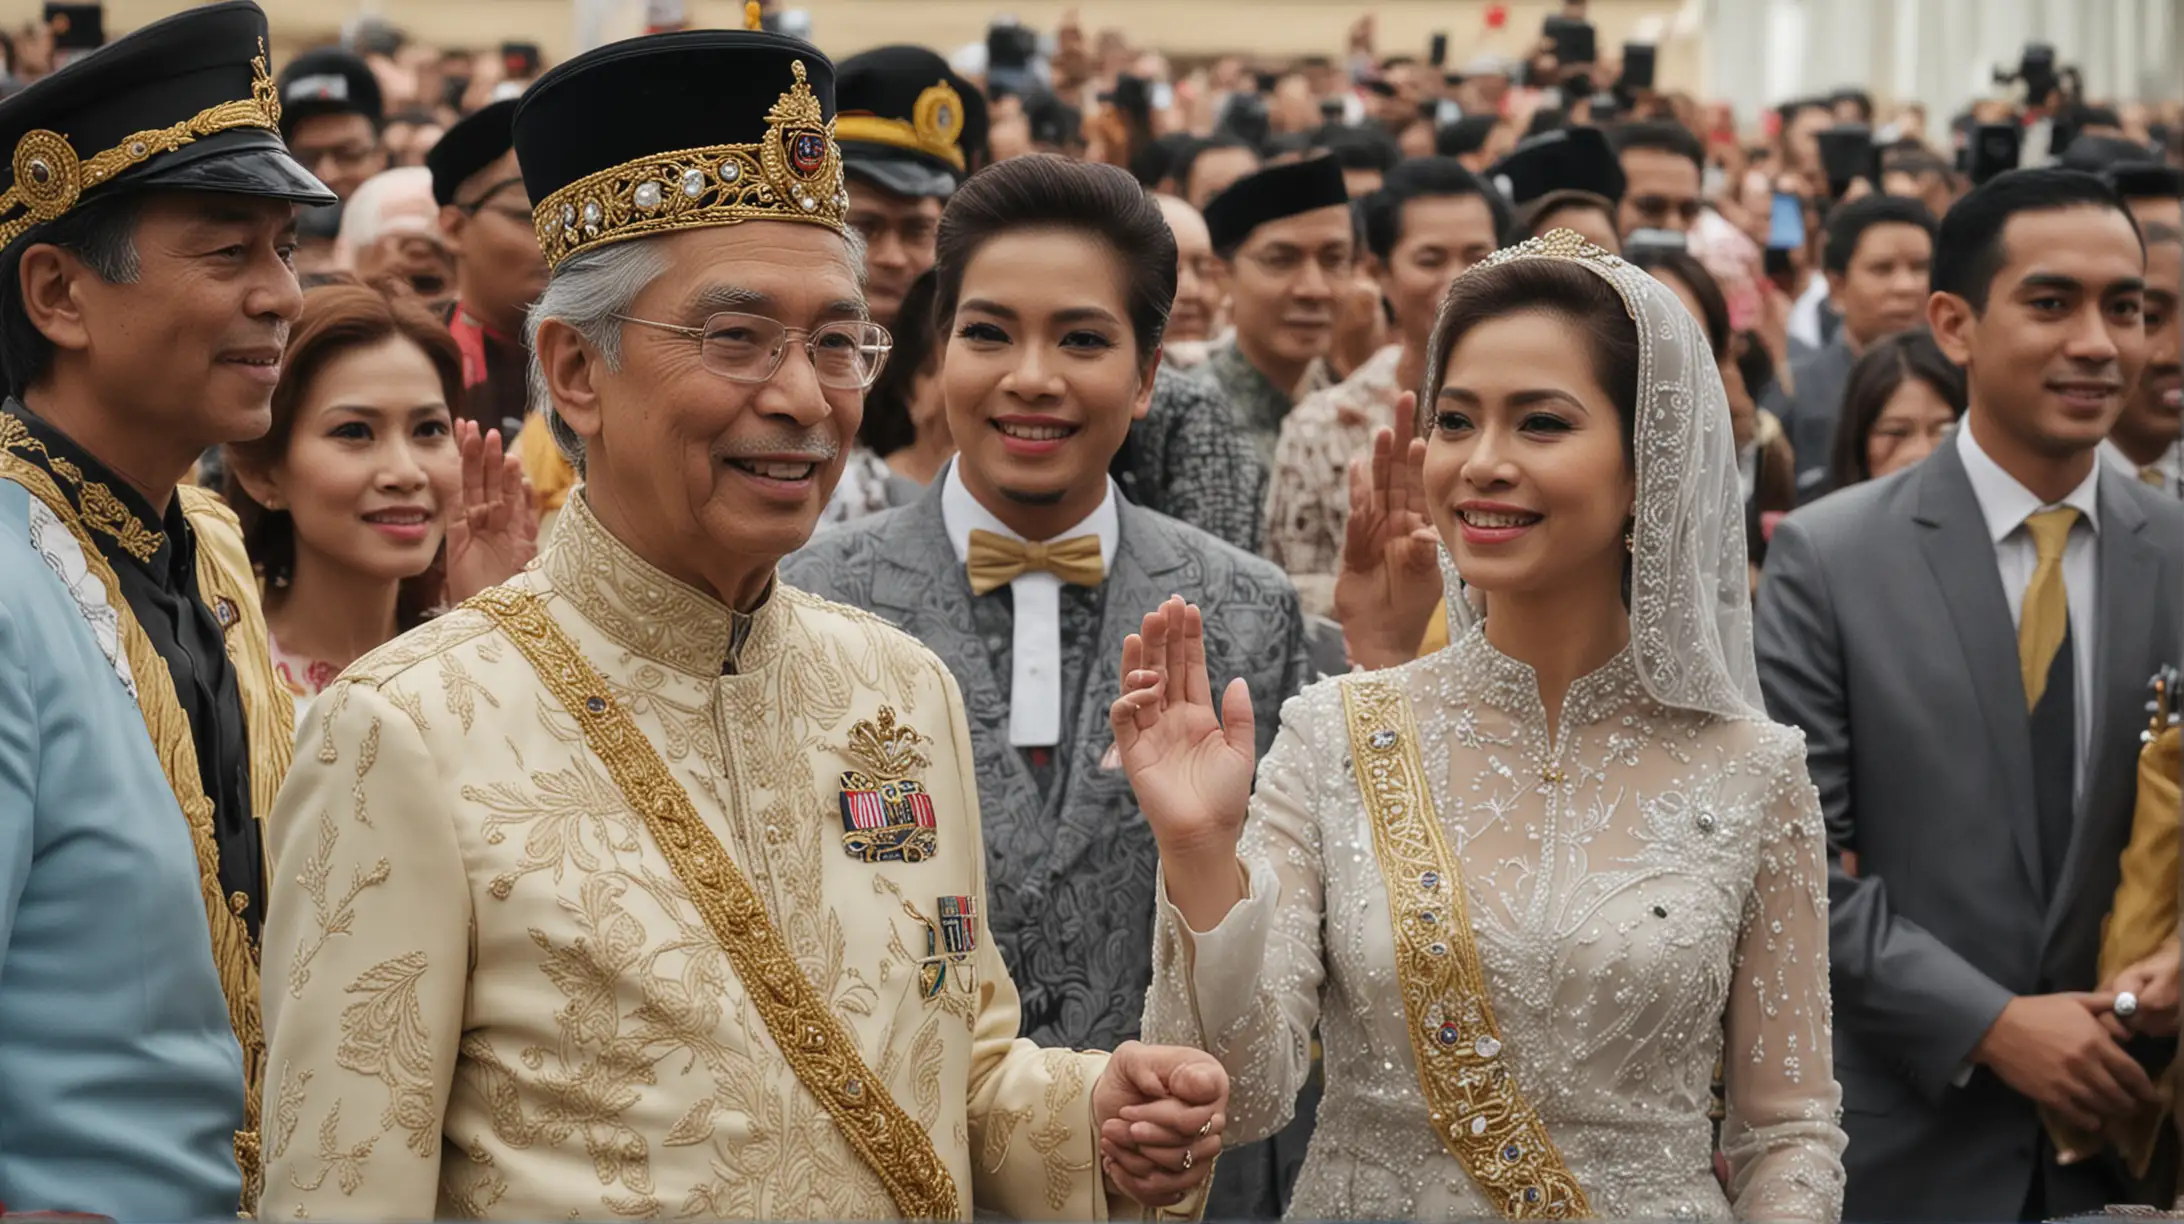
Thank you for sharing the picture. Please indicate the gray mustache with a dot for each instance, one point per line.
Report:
(814, 445)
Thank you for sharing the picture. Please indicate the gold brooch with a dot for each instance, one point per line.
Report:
(887, 814)
(50, 177)
(793, 174)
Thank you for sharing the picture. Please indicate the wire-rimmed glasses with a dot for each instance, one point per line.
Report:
(847, 354)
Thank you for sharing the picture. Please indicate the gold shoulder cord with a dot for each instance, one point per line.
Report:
(233, 955)
(807, 1031)
(1478, 1111)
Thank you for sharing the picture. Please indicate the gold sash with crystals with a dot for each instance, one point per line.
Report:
(235, 957)
(1478, 1111)
(811, 1037)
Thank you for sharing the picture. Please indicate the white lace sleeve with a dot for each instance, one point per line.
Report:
(1780, 1135)
(1248, 991)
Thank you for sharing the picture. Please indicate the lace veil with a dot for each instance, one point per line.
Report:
(1690, 600)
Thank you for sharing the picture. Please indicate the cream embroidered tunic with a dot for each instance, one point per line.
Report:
(488, 995)
(1648, 896)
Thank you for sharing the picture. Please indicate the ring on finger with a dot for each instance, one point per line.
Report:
(1187, 1160)
(1207, 1129)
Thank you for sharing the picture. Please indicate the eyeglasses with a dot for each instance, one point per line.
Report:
(1287, 261)
(847, 355)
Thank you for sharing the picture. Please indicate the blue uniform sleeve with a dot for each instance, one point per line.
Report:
(18, 775)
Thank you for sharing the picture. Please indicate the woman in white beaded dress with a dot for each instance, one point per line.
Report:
(1533, 888)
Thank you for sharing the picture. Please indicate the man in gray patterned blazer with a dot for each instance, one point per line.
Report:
(1024, 568)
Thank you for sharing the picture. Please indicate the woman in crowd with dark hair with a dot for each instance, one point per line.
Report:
(1902, 399)
(356, 507)
(1531, 888)
(1766, 470)
(904, 441)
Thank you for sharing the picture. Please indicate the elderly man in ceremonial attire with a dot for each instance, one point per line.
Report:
(646, 884)
(145, 295)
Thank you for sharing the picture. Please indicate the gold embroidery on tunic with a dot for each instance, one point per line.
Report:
(334, 917)
(102, 511)
(383, 1036)
(563, 816)
(344, 1165)
(288, 1111)
(1065, 1091)
(810, 1037)
(234, 955)
(1001, 1127)
(1478, 1111)
(463, 691)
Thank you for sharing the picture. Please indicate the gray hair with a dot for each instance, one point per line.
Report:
(586, 292)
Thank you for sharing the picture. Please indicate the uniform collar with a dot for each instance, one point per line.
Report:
(647, 612)
(123, 524)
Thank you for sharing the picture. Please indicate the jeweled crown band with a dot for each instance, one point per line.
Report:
(793, 174)
(50, 177)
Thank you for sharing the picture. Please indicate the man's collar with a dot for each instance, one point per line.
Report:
(2005, 503)
(962, 513)
(120, 518)
(648, 612)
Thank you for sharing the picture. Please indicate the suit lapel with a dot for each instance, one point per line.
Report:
(1961, 554)
(1145, 559)
(2128, 568)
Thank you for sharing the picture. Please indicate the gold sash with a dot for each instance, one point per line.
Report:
(1478, 1111)
(809, 1034)
(234, 956)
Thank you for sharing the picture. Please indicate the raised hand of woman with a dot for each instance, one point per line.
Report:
(1391, 575)
(1190, 767)
(492, 529)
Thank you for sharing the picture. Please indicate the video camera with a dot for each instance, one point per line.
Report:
(2042, 78)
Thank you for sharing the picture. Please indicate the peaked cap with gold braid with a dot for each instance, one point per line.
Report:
(679, 131)
(187, 102)
(908, 123)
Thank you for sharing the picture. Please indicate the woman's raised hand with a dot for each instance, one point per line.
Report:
(1191, 768)
(492, 529)
(1391, 573)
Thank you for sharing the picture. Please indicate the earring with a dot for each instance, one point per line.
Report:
(1630, 541)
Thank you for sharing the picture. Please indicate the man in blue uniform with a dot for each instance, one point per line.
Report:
(146, 226)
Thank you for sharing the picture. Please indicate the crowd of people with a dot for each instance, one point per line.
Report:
(1446, 634)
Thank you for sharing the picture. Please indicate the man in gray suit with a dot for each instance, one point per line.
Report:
(1878, 253)
(1986, 817)
(1024, 568)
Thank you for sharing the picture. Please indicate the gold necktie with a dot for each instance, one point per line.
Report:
(997, 560)
(2152, 476)
(2046, 614)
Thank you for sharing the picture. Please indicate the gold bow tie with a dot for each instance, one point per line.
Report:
(997, 560)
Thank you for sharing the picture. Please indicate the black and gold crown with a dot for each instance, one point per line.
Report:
(680, 131)
(186, 102)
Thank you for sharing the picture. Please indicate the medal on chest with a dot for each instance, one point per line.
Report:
(887, 814)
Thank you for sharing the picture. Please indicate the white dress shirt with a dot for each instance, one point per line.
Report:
(1035, 661)
(1805, 313)
(2006, 505)
(2168, 466)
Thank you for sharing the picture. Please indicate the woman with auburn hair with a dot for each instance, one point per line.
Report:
(367, 506)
